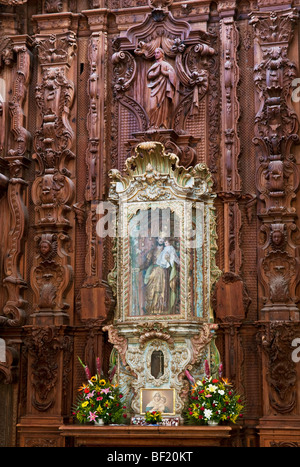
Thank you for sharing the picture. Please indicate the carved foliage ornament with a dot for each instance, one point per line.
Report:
(45, 346)
(282, 374)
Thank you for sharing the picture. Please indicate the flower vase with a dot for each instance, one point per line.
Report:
(212, 423)
(99, 422)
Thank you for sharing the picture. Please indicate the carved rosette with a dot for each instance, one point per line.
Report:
(53, 188)
(276, 125)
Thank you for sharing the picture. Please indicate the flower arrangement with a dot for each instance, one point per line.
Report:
(99, 399)
(153, 417)
(213, 400)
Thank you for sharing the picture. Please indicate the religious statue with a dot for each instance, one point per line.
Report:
(160, 279)
(162, 82)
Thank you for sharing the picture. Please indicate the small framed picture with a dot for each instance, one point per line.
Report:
(161, 400)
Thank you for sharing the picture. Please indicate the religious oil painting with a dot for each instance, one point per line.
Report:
(155, 263)
(161, 400)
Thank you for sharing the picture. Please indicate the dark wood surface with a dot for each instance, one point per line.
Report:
(138, 436)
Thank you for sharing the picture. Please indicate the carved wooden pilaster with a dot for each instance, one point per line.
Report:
(53, 188)
(230, 181)
(49, 350)
(280, 372)
(17, 160)
(96, 300)
(230, 104)
(276, 127)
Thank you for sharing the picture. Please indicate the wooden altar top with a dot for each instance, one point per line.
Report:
(144, 436)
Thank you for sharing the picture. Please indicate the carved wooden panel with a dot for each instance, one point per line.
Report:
(78, 92)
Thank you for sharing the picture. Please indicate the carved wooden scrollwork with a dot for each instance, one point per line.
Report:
(16, 49)
(46, 346)
(281, 370)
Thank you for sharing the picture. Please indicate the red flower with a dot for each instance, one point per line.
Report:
(191, 413)
(224, 409)
(215, 381)
(121, 395)
(202, 408)
(86, 390)
(200, 416)
(125, 415)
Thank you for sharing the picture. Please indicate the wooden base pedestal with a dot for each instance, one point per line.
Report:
(140, 436)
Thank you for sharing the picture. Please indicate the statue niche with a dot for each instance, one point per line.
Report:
(160, 82)
(157, 364)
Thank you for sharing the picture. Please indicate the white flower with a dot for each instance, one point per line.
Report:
(207, 413)
(221, 391)
(212, 388)
(199, 383)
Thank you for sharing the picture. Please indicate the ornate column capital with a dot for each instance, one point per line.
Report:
(274, 27)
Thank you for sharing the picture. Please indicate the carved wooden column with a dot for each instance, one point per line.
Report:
(277, 173)
(230, 143)
(230, 304)
(48, 348)
(96, 298)
(276, 128)
(53, 189)
(16, 145)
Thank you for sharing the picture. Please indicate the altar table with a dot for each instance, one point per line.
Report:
(144, 436)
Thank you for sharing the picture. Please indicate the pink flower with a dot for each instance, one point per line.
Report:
(87, 372)
(208, 395)
(99, 398)
(90, 394)
(92, 416)
(98, 365)
(105, 390)
(189, 377)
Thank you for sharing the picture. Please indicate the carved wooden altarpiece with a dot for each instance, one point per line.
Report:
(207, 93)
(164, 273)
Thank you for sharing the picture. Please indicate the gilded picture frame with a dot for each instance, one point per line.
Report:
(176, 284)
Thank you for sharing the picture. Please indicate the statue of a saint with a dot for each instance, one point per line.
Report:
(160, 279)
(162, 82)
